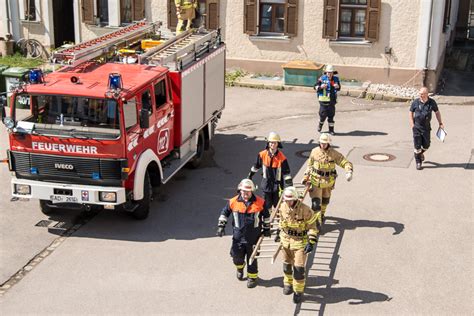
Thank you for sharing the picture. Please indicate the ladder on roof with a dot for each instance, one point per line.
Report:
(77, 54)
(180, 51)
(268, 247)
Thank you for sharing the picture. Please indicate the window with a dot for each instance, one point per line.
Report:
(103, 11)
(160, 94)
(270, 16)
(97, 11)
(146, 102)
(132, 10)
(351, 19)
(447, 15)
(29, 10)
(207, 15)
(130, 113)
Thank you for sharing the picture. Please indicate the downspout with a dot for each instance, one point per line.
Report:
(428, 45)
(7, 16)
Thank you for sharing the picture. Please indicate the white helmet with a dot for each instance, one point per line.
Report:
(246, 185)
(273, 137)
(329, 68)
(290, 194)
(325, 138)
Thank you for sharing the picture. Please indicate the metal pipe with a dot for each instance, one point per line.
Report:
(428, 44)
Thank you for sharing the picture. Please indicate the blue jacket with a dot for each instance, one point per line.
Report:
(328, 95)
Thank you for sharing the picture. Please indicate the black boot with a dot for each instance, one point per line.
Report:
(240, 274)
(418, 161)
(251, 283)
(297, 298)
(331, 129)
(320, 127)
(287, 289)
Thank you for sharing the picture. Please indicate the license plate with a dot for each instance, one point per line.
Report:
(63, 199)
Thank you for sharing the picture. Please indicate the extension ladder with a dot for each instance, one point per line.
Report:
(182, 50)
(268, 247)
(77, 54)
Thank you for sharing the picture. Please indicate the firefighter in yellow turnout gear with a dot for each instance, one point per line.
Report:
(321, 173)
(299, 228)
(185, 10)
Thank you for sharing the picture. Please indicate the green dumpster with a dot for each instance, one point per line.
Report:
(2, 79)
(12, 77)
(302, 73)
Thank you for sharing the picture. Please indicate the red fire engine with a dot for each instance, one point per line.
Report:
(115, 119)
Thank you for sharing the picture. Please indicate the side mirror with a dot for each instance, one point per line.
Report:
(144, 118)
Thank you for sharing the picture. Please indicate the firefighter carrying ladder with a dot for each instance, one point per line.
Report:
(268, 247)
(105, 44)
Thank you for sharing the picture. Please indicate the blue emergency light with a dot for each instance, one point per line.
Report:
(35, 76)
(95, 175)
(115, 81)
(34, 170)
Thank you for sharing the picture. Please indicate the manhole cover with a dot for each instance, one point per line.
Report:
(379, 157)
(303, 153)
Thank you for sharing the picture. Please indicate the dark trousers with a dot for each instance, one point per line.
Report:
(327, 110)
(241, 253)
(421, 141)
(271, 199)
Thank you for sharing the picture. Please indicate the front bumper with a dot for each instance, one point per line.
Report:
(68, 193)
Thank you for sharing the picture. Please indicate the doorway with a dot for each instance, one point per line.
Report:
(63, 19)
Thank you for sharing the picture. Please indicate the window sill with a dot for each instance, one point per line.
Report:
(31, 22)
(103, 27)
(351, 43)
(269, 38)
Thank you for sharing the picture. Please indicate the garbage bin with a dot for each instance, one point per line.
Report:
(12, 77)
(302, 73)
(2, 79)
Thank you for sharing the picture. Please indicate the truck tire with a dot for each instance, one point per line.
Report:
(197, 160)
(46, 209)
(143, 209)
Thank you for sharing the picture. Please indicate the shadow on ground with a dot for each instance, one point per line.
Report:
(188, 206)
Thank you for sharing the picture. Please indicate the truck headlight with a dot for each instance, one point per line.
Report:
(108, 196)
(23, 189)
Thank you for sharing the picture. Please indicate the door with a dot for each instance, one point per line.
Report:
(63, 19)
(164, 113)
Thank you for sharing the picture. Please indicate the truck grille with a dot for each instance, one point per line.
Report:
(66, 169)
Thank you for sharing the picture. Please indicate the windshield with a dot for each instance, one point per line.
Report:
(68, 115)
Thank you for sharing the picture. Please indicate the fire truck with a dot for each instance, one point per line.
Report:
(122, 114)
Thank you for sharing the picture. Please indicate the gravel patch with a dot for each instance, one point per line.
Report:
(388, 89)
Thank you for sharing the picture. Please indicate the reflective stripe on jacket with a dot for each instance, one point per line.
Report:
(297, 225)
(321, 167)
(247, 217)
(274, 168)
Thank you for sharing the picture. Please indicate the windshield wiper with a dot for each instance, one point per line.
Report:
(72, 130)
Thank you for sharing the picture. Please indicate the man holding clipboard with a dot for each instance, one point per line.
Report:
(420, 119)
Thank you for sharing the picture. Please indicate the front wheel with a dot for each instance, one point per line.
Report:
(143, 209)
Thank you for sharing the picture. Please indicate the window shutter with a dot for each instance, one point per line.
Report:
(212, 14)
(172, 19)
(330, 19)
(88, 11)
(138, 10)
(291, 18)
(373, 20)
(250, 17)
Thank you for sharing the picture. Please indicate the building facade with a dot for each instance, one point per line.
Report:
(386, 41)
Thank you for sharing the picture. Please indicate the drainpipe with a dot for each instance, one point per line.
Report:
(428, 44)
(6, 23)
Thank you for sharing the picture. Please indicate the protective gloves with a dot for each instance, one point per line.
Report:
(349, 176)
(221, 228)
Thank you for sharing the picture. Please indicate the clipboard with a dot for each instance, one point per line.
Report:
(441, 134)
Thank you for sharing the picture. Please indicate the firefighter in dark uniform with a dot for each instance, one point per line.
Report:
(250, 219)
(326, 89)
(299, 227)
(420, 118)
(276, 170)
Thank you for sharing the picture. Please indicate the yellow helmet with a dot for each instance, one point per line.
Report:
(290, 194)
(246, 185)
(325, 138)
(273, 137)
